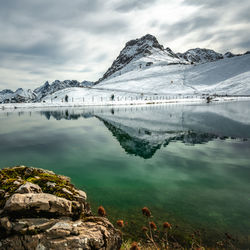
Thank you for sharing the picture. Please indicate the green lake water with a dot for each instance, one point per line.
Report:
(189, 164)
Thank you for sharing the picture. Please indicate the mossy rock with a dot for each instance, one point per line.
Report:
(23, 174)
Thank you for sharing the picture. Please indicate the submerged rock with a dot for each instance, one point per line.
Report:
(35, 215)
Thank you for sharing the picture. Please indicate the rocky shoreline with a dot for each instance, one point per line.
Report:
(42, 210)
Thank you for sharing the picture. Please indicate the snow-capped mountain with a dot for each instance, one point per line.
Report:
(86, 84)
(6, 91)
(138, 54)
(20, 95)
(146, 51)
(48, 89)
(229, 54)
(5, 95)
(42, 90)
(161, 71)
(200, 55)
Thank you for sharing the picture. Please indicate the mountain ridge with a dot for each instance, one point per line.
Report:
(148, 44)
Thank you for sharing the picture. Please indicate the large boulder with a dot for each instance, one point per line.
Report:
(45, 211)
(41, 202)
(91, 233)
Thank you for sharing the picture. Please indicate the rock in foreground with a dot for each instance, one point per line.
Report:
(42, 210)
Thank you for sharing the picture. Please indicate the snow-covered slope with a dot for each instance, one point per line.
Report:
(225, 76)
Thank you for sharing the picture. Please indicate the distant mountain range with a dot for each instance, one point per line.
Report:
(27, 95)
(132, 65)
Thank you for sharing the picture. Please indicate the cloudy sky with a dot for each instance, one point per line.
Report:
(60, 39)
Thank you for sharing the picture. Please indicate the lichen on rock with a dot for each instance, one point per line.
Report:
(42, 210)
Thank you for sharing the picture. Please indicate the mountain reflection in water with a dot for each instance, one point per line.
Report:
(141, 131)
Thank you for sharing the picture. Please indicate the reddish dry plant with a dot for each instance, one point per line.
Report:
(120, 223)
(146, 212)
(228, 236)
(152, 225)
(101, 211)
(167, 225)
(144, 229)
(134, 246)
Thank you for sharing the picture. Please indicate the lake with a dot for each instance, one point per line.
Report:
(190, 164)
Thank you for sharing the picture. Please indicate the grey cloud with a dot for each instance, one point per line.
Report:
(154, 23)
(112, 26)
(36, 72)
(46, 39)
(86, 69)
(240, 42)
(50, 9)
(213, 3)
(184, 27)
(101, 58)
(244, 45)
(129, 5)
(211, 24)
(45, 48)
(234, 10)
(242, 15)
(49, 36)
(40, 27)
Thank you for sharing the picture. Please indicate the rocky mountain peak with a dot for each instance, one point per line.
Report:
(147, 41)
(133, 50)
(6, 91)
(199, 55)
(47, 88)
(171, 53)
(229, 54)
(42, 88)
(20, 95)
